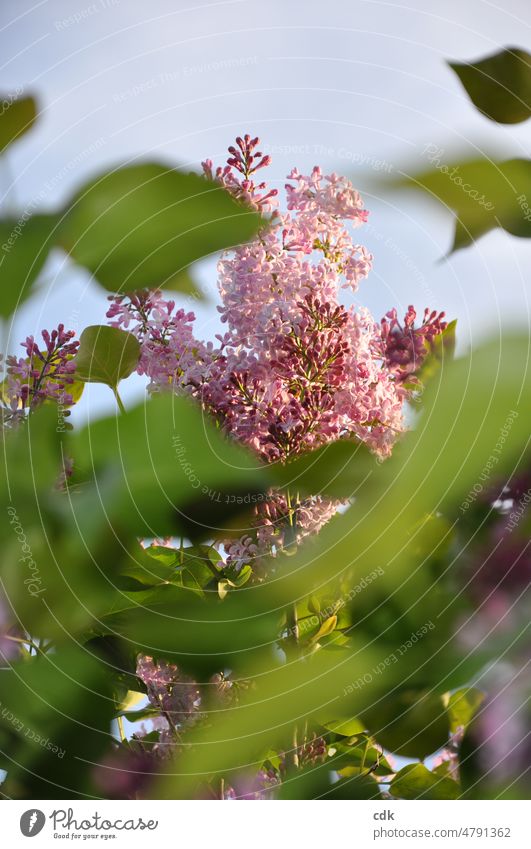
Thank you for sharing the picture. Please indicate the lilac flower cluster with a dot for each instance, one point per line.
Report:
(295, 369)
(41, 375)
(174, 695)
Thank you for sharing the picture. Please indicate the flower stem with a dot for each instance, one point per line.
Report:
(118, 399)
(292, 755)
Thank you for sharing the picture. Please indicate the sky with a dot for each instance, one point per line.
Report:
(359, 87)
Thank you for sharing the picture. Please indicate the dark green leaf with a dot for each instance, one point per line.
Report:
(17, 116)
(316, 783)
(412, 724)
(499, 85)
(55, 723)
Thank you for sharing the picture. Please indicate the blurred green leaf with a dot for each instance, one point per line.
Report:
(177, 624)
(499, 85)
(143, 225)
(409, 723)
(106, 355)
(54, 724)
(17, 116)
(483, 193)
(443, 350)
(336, 470)
(416, 782)
(316, 783)
(346, 727)
(161, 467)
(25, 245)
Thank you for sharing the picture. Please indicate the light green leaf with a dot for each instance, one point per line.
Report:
(462, 706)
(142, 225)
(336, 470)
(106, 355)
(416, 782)
(163, 469)
(483, 193)
(24, 247)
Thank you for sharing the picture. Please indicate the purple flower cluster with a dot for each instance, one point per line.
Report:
(43, 374)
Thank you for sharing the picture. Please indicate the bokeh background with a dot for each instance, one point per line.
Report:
(359, 87)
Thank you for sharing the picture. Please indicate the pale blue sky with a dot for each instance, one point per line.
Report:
(342, 84)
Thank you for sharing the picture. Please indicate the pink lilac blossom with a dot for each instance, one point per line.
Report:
(175, 695)
(42, 374)
(502, 727)
(124, 774)
(295, 368)
(405, 347)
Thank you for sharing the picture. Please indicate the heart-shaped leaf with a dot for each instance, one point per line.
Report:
(106, 355)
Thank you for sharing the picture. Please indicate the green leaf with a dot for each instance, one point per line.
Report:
(106, 355)
(416, 782)
(336, 470)
(17, 116)
(178, 625)
(326, 628)
(483, 193)
(499, 85)
(411, 723)
(346, 727)
(443, 349)
(238, 579)
(147, 712)
(462, 706)
(359, 753)
(24, 247)
(162, 468)
(142, 225)
(56, 714)
(315, 782)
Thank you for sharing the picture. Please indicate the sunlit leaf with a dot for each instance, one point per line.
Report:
(142, 225)
(416, 782)
(106, 355)
(462, 706)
